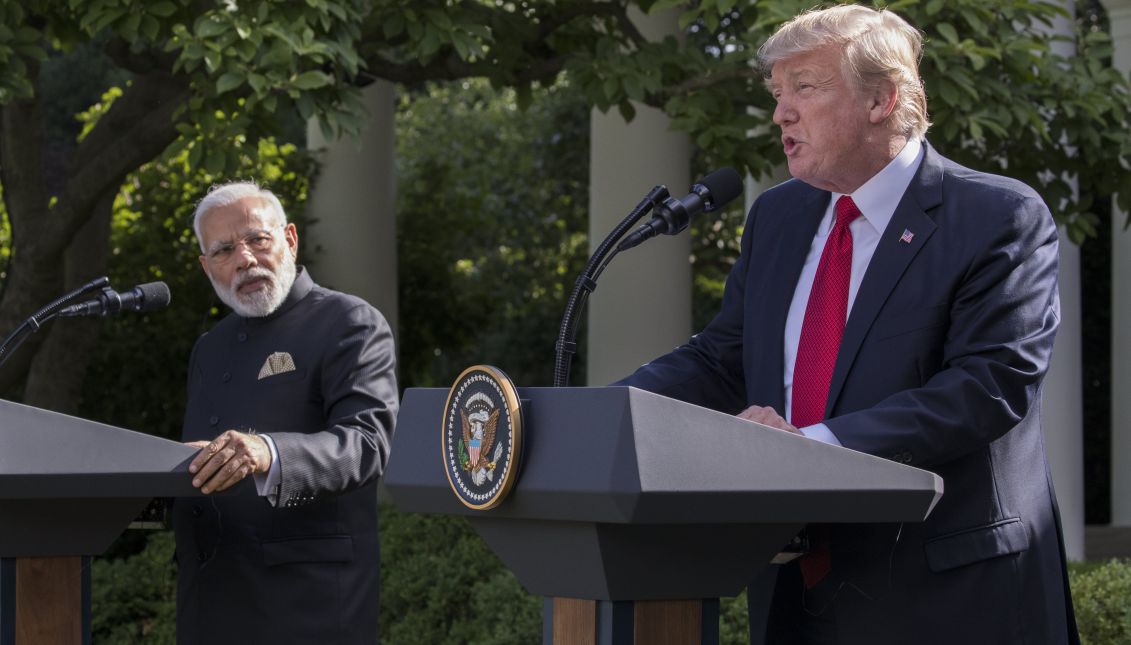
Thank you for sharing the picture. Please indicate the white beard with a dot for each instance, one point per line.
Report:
(262, 302)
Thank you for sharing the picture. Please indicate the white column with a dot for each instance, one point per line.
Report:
(353, 243)
(642, 305)
(1063, 408)
(1119, 13)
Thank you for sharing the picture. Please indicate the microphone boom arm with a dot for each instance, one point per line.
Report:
(586, 283)
(47, 312)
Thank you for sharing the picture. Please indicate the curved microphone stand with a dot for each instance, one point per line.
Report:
(566, 346)
(49, 311)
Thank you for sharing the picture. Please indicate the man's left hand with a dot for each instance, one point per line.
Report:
(227, 459)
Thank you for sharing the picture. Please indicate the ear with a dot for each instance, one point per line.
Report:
(291, 235)
(881, 102)
(204, 265)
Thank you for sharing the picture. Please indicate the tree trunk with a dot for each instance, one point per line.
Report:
(59, 367)
(136, 129)
(34, 274)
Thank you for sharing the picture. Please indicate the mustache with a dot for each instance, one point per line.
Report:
(253, 273)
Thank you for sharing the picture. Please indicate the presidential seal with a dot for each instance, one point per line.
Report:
(481, 436)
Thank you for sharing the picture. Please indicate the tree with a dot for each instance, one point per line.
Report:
(1001, 97)
(197, 74)
(492, 207)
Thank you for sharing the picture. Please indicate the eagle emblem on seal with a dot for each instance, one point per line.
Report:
(478, 438)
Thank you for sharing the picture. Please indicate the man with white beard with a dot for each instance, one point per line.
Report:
(295, 388)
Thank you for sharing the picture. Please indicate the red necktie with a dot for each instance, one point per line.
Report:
(817, 348)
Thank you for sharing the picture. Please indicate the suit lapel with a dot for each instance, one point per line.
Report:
(778, 276)
(892, 257)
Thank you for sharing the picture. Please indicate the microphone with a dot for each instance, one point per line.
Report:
(672, 216)
(144, 297)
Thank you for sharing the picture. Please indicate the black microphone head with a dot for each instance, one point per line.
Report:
(152, 296)
(721, 187)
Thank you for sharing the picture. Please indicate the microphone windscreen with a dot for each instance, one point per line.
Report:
(154, 295)
(723, 185)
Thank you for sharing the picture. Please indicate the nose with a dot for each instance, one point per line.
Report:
(784, 113)
(245, 257)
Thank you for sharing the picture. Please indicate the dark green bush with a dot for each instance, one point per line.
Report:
(133, 599)
(441, 584)
(1101, 595)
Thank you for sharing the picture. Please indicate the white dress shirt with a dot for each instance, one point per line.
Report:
(877, 200)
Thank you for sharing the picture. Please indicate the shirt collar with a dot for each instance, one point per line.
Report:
(878, 197)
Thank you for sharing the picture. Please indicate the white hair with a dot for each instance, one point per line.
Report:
(878, 45)
(220, 195)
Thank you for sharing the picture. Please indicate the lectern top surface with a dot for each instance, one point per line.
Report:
(622, 455)
(48, 454)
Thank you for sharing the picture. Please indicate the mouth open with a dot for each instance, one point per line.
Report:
(789, 144)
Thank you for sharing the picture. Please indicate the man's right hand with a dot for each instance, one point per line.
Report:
(767, 416)
(228, 459)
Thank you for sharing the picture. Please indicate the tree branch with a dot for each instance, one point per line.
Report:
(136, 129)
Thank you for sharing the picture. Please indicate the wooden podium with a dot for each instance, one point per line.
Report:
(68, 488)
(634, 512)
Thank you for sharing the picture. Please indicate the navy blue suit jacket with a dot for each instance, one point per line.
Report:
(940, 367)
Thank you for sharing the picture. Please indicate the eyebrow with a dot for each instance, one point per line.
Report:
(219, 244)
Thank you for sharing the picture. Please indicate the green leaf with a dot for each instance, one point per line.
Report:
(947, 31)
(195, 153)
(162, 8)
(634, 88)
(211, 60)
(229, 81)
(312, 80)
(216, 161)
(627, 111)
(257, 82)
(612, 88)
(210, 27)
(305, 106)
(150, 28)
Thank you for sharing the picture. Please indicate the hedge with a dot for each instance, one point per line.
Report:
(441, 584)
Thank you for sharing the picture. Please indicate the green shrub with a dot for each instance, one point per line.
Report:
(441, 584)
(1101, 595)
(133, 599)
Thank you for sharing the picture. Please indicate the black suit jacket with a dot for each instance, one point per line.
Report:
(940, 367)
(306, 569)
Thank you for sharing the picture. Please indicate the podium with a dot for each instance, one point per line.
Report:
(634, 513)
(68, 488)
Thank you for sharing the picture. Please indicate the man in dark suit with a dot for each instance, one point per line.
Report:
(295, 389)
(893, 302)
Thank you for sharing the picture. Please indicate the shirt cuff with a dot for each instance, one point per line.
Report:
(821, 433)
(267, 484)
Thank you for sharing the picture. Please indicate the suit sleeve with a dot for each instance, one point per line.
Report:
(986, 376)
(359, 398)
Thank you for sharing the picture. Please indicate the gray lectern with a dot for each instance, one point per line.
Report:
(68, 488)
(652, 507)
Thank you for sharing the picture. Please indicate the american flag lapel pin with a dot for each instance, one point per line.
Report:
(907, 236)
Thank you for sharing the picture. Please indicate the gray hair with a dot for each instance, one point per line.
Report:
(220, 195)
(878, 46)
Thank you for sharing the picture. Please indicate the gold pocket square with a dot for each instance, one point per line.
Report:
(277, 363)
